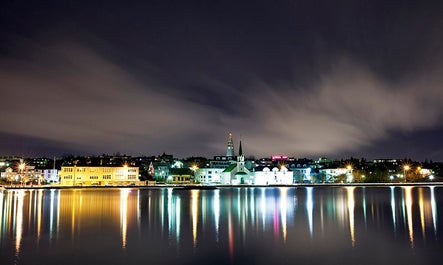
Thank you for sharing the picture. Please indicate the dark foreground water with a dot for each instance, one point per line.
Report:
(303, 225)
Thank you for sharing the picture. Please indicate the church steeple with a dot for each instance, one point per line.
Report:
(240, 159)
(240, 150)
(230, 150)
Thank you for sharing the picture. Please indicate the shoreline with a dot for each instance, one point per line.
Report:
(197, 186)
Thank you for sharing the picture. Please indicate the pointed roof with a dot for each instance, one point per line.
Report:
(230, 168)
(240, 150)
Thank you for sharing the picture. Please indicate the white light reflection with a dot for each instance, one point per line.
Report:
(309, 209)
(177, 220)
(252, 206)
(434, 210)
(408, 203)
(364, 203)
(263, 206)
(170, 211)
(19, 195)
(217, 212)
(51, 215)
(124, 193)
(283, 210)
(351, 205)
(394, 217)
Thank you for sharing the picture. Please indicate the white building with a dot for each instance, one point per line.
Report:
(302, 175)
(335, 174)
(276, 176)
(51, 175)
(209, 175)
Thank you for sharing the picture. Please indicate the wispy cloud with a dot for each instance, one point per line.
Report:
(71, 94)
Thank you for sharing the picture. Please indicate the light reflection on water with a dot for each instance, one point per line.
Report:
(228, 225)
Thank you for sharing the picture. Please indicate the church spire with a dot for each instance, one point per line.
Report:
(240, 150)
(230, 150)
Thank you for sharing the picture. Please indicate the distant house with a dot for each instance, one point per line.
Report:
(179, 176)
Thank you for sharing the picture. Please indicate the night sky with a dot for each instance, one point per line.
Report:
(298, 78)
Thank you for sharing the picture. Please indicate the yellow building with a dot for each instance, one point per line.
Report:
(99, 176)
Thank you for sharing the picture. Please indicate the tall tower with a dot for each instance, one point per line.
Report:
(230, 150)
(240, 159)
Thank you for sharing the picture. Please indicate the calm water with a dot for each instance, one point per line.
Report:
(303, 225)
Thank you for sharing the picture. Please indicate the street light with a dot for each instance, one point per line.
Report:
(194, 168)
(22, 166)
(405, 169)
(349, 175)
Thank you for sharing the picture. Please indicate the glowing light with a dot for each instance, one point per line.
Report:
(283, 210)
(39, 213)
(405, 171)
(194, 209)
(263, 206)
(217, 212)
(434, 210)
(309, 209)
(422, 212)
(124, 193)
(351, 205)
(20, 195)
(394, 219)
(177, 219)
(51, 214)
(408, 202)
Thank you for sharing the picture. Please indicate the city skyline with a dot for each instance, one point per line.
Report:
(298, 78)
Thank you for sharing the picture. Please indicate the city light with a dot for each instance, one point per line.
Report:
(405, 170)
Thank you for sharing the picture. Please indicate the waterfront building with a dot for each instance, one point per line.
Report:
(99, 176)
(51, 175)
(209, 175)
(276, 176)
(237, 173)
(179, 176)
(336, 175)
(302, 174)
(24, 175)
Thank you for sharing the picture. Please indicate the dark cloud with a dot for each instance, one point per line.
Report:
(298, 78)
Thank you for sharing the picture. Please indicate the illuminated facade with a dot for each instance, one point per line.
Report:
(209, 175)
(51, 175)
(99, 176)
(237, 173)
(276, 176)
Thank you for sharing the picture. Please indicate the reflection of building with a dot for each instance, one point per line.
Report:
(79, 175)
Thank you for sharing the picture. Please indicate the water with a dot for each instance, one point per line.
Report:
(300, 225)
